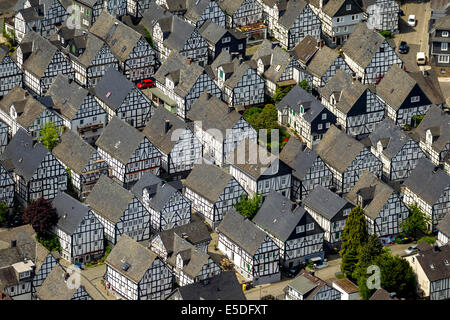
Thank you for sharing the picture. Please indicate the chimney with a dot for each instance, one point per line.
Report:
(167, 126)
(13, 243)
(189, 61)
(353, 77)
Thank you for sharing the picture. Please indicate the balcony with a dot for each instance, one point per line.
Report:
(90, 127)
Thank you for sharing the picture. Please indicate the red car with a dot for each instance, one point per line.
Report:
(147, 83)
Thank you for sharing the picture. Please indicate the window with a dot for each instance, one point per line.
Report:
(300, 229)
(319, 126)
(444, 46)
(310, 226)
(415, 99)
(348, 7)
(445, 34)
(240, 46)
(324, 116)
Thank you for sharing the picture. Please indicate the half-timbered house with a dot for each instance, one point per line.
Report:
(218, 128)
(119, 211)
(259, 171)
(278, 67)
(402, 96)
(82, 161)
(241, 12)
(369, 54)
(136, 273)
(89, 10)
(433, 134)
(381, 14)
(308, 169)
(292, 21)
(4, 135)
(439, 42)
(184, 82)
(305, 50)
(203, 10)
(356, 106)
(330, 211)
(40, 62)
(81, 113)
(167, 206)
(136, 8)
(254, 254)
(305, 115)
(383, 207)
(179, 147)
(128, 152)
(219, 38)
(19, 110)
(291, 228)
(212, 192)
(309, 287)
(397, 150)
(176, 7)
(7, 187)
(135, 55)
(37, 173)
(338, 17)
(346, 166)
(88, 54)
(79, 231)
(443, 228)
(116, 8)
(428, 187)
(119, 97)
(10, 73)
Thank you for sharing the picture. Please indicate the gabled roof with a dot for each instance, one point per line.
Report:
(235, 70)
(438, 121)
(305, 49)
(230, 6)
(429, 83)
(444, 225)
(139, 258)
(195, 11)
(113, 87)
(321, 61)
(324, 202)
(395, 137)
(362, 44)
(187, 74)
(73, 151)
(332, 8)
(194, 232)
(212, 32)
(241, 231)
(435, 263)
(443, 23)
(155, 129)
(209, 181)
(24, 155)
(278, 215)
(175, 32)
(298, 157)
(213, 113)
(275, 59)
(152, 15)
(350, 95)
(291, 12)
(307, 284)
(395, 86)
(70, 212)
(179, 5)
(120, 140)
(346, 285)
(381, 193)
(382, 294)
(109, 199)
(331, 147)
(427, 182)
(339, 82)
(92, 46)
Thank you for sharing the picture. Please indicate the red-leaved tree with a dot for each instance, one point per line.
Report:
(41, 215)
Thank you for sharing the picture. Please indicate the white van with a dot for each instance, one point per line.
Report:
(421, 59)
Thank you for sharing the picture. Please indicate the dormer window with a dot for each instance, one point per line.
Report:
(169, 83)
(379, 146)
(348, 7)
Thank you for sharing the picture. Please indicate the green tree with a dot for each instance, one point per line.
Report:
(249, 206)
(49, 135)
(251, 115)
(427, 239)
(149, 38)
(268, 118)
(49, 241)
(415, 223)
(354, 236)
(4, 212)
(304, 84)
(280, 92)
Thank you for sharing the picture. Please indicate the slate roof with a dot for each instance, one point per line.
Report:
(155, 129)
(195, 232)
(321, 61)
(438, 122)
(212, 32)
(120, 140)
(392, 137)
(362, 44)
(278, 216)
(137, 256)
(305, 49)
(444, 225)
(175, 32)
(152, 15)
(333, 6)
(196, 10)
(42, 53)
(297, 97)
(382, 294)
(235, 70)
(92, 46)
(298, 157)
(429, 84)
(324, 202)
(187, 74)
(120, 38)
(426, 182)
(209, 181)
(222, 59)
(224, 286)
(395, 86)
(179, 5)
(55, 287)
(433, 263)
(291, 12)
(319, 284)
(338, 83)
(241, 231)
(24, 155)
(275, 59)
(70, 212)
(381, 193)
(213, 113)
(230, 6)
(443, 23)
(109, 199)
(331, 146)
(350, 95)
(116, 84)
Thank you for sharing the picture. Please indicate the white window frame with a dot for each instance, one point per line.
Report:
(415, 99)
(444, 46)
(445, 34)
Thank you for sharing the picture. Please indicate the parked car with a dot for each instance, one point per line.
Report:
(411, 249)
(412, 20)
(403, 48)
(421, 59)
(293, 271)
(147, 83)
(79, 265)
